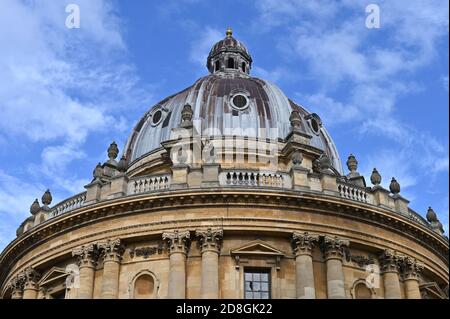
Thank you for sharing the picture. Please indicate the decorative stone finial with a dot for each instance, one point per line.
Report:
(122, 166)
(186, 115)
(352, 163)
(47, 198)
(113, 151)
(229, 32)
(297, 158)
(375, 178)
(35, 207)
(394, 187)
(434, 221)
(98, 171)
(295, 120)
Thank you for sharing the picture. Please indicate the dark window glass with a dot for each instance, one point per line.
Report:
(231, 63)
(243, 67)
(240, 101)
(257, 283)
(156, 117)
(315, 125)
(217, 65)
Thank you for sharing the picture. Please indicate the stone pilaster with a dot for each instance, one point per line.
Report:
(411, 272)
(178, 242)
(210, 244)
(302, 244)
(333, 254)
(112, 251)
(390, 263)
(87, 256)
(31, 288)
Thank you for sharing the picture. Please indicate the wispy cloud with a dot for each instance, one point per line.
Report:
(58, 86)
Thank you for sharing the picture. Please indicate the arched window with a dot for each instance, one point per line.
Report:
(243, 67)
(231, 63)
(217, 67)
(362, 292)
(144, 287)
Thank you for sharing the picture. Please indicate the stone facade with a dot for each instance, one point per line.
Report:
(195, 219)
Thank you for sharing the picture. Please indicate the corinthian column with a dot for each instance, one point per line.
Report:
(390, 263)
(111, 251)
(303, 244)
(334, 252)
(17, 284)
(178, 248)
(411, 271)
(87, 261)
(30, 289)
(210, 243)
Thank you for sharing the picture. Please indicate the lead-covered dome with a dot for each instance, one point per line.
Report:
(229, 102)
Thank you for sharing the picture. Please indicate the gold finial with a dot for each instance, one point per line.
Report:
(229, 32)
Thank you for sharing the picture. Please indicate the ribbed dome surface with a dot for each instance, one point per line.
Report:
(265, 115)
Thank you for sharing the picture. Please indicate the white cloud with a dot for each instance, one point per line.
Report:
(58, 86)
(202, 44)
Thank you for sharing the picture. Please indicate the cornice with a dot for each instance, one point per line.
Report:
(244, 197)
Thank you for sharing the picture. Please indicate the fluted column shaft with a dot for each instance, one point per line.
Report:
(111, 251)
(87, 260)
(390, 262)
(302, 244)
(334, 252)
(178, 247)
(210, 244)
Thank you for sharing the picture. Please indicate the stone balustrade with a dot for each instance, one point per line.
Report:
(240, 178)
(254, 178)
(352, 192)
(68, 205)
(144, 184)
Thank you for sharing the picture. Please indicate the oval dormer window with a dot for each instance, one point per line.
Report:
(156, 116)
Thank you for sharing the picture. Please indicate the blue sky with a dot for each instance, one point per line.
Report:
(65, 94)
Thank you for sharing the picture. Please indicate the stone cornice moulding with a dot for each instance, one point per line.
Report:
(236, 197)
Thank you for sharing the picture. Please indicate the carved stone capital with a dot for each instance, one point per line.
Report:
(178, 241)
(303, 243)
(334, 247)
(411, 268)
(390, 261)
(31, 277)
(17, 284)
(87, 255)
(210, 239)
(111, 249)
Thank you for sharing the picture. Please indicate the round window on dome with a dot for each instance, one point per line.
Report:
(157, 117)
(239, 102)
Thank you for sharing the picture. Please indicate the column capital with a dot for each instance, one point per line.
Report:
(31, 277)
(111, 249)
(390, 261)
(334, 247)
(303, 243)
(210, 239)
(178, 241)
(411, 269)
(17, 284)
(87, 255)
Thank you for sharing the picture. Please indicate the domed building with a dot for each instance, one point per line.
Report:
(228, 189)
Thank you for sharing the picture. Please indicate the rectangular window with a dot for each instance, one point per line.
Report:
(257, 283)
